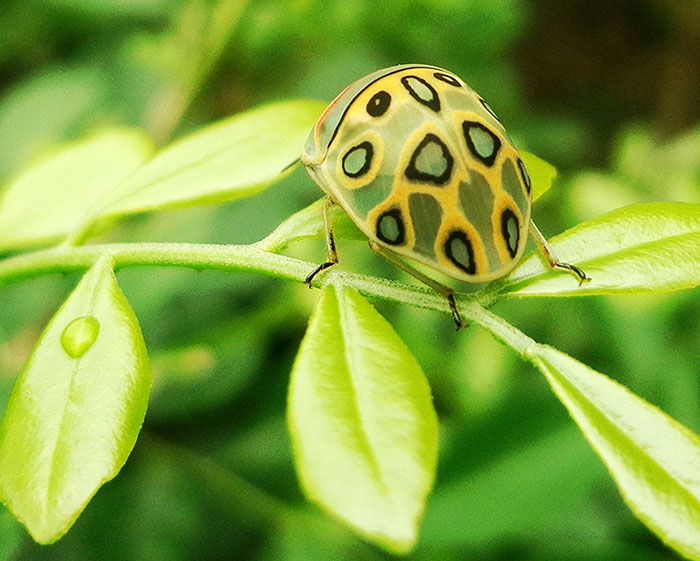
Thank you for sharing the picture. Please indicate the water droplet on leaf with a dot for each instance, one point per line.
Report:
(79, 335)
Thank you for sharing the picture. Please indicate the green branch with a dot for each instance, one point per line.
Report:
(231, 258)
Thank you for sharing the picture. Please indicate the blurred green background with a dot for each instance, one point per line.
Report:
(609, 92)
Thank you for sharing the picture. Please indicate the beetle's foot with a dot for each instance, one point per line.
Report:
(459, 322)
(573, 269)
(322, 267)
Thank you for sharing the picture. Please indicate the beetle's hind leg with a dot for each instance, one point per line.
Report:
(440, 288)
(331, 251)
(552, 258)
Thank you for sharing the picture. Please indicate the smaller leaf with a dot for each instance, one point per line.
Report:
(654, 459)
(76, 408)
(49, 106)
(53, 197)
(541, 173)
(362, 421)
(236, 157)
(308, 223)
(645, 247)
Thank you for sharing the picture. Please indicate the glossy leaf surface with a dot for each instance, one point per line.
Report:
(76, 408)
(645, 247)
(233, 158)
(654, 460)
(362, 421)
(53, 197)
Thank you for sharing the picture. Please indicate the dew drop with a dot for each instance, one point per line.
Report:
(79, 335)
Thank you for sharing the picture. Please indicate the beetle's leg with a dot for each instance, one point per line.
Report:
(440, 288)
(552, 258)
(331, 252)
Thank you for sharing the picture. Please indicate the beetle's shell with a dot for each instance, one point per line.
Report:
(424, 167)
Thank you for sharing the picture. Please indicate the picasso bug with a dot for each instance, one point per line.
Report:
(426, 170)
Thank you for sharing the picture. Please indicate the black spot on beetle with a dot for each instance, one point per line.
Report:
(358, 159)
(459, 250)
(510, 229)
(448, 79)
(390, 227)
(422, 92)
(431, 161)
(378, 104)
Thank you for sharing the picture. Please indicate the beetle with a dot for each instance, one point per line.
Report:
(425, 168)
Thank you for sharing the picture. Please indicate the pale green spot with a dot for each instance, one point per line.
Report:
(389, 227)
(355, 160)
(483, 142)
(526, 175)
(460, 253)
(79, 335)
(420, 89)
(512, 228)
(431, 160)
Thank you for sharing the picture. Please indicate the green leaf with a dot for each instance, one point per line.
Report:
(654, 459)
(646, 247)
(541, 173)
(76, 408)
(362, 421)
(308, 223)
(53, 197)
(49, 107)
(234, 158)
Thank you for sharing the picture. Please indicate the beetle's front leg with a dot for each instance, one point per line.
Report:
(331, 251)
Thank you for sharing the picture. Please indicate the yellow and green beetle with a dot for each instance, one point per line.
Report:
(426, 170)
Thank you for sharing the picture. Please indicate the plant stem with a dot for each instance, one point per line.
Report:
(197, 256)
(252, 257)
(64, 259)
